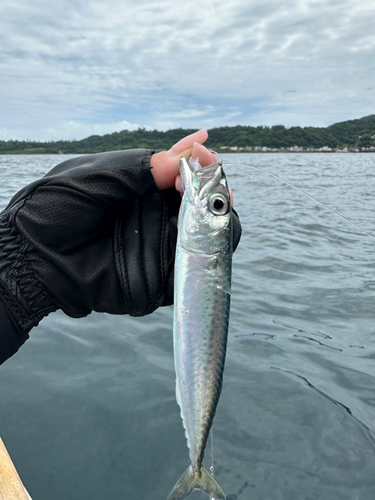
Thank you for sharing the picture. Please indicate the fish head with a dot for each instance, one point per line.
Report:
(205, 216)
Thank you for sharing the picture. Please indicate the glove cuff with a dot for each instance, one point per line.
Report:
(20, 289)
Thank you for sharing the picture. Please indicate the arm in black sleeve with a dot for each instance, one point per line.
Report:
(11, 336)
(94, 234)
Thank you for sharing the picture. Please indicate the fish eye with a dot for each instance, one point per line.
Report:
(218, 204)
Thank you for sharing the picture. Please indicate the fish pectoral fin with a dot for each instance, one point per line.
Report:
(191, 480)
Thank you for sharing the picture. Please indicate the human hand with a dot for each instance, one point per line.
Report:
(166, 164)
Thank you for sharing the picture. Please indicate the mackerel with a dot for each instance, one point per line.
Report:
(203, 268)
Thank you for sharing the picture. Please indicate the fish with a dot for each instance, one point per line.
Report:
(202, 292)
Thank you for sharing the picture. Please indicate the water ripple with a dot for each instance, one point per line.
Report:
(88, 406)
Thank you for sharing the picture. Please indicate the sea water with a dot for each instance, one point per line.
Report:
(88, 409)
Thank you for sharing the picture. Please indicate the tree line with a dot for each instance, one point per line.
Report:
(352, 133)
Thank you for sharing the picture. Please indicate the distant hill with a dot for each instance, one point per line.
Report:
(352, 134)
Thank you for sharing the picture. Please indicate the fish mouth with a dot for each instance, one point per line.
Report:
(200, 180)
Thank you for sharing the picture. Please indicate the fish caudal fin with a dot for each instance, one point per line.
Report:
(196, 480)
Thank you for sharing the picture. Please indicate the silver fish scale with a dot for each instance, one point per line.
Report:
(202, 313)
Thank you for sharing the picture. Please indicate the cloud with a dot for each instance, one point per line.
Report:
(80, 66)
(68, 130)
(73, 130)
(6, 134)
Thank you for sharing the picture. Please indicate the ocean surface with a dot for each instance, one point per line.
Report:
(88, 409)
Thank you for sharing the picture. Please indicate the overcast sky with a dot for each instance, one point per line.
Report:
(73, 68)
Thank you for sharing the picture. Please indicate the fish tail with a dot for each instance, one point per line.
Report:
(193, 479)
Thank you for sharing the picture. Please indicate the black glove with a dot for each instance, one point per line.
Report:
(93, 234)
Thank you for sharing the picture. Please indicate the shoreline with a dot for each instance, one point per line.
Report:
(270, 151)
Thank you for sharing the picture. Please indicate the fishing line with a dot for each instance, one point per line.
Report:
(306, 194)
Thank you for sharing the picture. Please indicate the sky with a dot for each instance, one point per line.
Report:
(73, 68)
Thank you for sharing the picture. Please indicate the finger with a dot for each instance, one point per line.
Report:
(165, 167)
(188, 142)
(178, 184)
(204, 156)
(166, 164)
